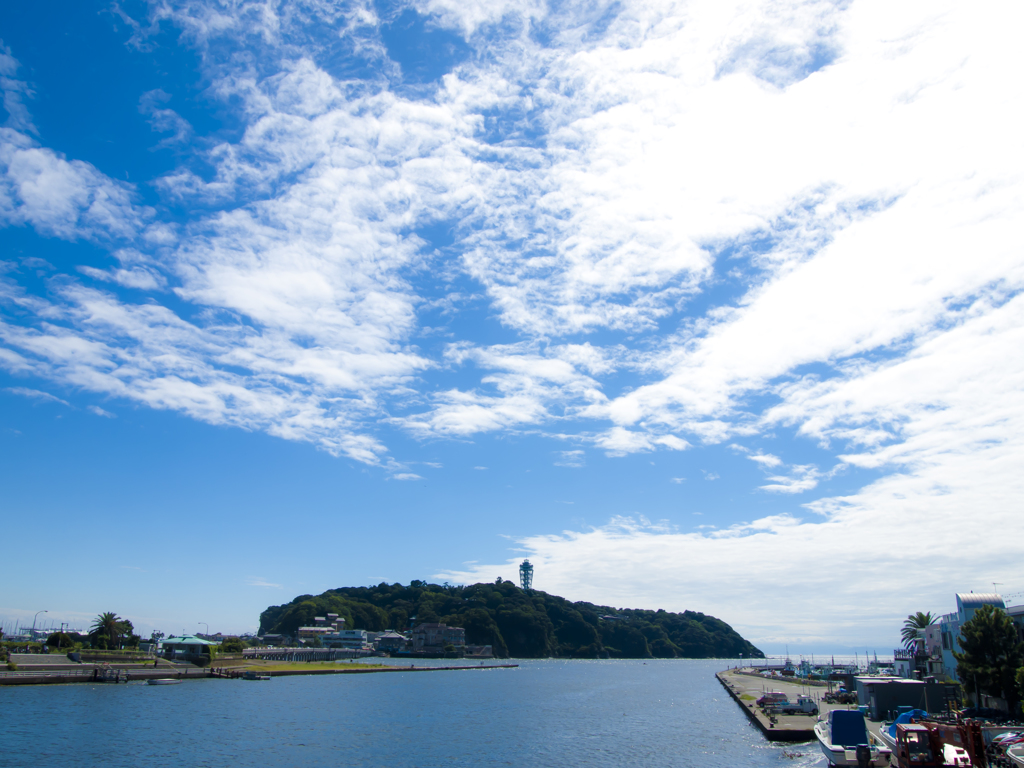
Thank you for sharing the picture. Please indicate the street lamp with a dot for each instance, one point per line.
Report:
(206, 625)
(34, 623)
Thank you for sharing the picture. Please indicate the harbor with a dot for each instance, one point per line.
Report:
(746, 686)
(573, 713)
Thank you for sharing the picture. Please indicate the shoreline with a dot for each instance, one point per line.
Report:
(58, 677)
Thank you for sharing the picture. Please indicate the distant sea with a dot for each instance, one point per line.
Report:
(554, 713)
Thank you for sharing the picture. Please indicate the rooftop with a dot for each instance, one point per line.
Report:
(978, 599)
(186, 640)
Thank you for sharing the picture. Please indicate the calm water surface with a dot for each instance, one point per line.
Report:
(545, 713)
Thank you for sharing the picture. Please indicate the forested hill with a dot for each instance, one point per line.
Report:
(519, 624)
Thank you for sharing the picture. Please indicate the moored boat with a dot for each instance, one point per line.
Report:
(844, 734)
(163, 681)
(1015, 755)
(887, 731)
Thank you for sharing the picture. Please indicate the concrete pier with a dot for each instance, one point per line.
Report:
(746, 688)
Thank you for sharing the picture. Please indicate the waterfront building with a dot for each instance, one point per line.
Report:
(392, 642)
(950, 623)
(923, 658)
(884, 695)
(1016, 614)
(356, 639)
(184, 648)
(323, 627)
(432, 638)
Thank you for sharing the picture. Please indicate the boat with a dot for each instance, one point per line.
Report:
(844, 734)
(1015, 755)
(163, 681)
(887, 731)
(252, 675)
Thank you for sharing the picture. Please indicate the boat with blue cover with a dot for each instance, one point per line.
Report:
(888, 730)
(844, 735)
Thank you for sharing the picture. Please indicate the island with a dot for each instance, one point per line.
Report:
(518, 623)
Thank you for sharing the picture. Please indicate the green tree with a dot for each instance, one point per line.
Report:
(60, 640)
(232, 645)
(107, 625)
(126, 634)
(1020, 684)
(914, 623)
(991, 655)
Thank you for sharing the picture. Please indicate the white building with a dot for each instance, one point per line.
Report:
(323, 627)
(348, 638)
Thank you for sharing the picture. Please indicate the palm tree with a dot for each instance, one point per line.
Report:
(108, 624)
(914, 623)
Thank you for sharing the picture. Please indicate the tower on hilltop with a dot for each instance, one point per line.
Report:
(526, 576)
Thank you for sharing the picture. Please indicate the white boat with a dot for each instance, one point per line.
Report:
(843, 733)
(1015, 755)
(163, 681)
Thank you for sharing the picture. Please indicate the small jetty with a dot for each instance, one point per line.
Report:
(746, 688)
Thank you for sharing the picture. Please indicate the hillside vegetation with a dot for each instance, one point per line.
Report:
(519, 624)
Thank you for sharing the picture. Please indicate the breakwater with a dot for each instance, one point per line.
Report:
(745, 690)
(111, 675)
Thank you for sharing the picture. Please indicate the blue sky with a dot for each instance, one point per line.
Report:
(698, 305)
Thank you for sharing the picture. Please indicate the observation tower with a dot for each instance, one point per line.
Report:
(526, 576)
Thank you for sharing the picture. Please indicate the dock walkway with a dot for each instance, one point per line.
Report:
(746, 688)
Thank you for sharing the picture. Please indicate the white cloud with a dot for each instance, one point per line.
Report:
(100, 412)
(259, 581)
(36, 394)
(164, 120)
(765, 459)
(61, 198)
(575, 458)
(15, 92)
(406, 476)
(801, 478)
(694, 223)
(677, 480)
(138, 277)
(626, 563)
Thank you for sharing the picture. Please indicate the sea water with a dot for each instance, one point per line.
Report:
(555, 713)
